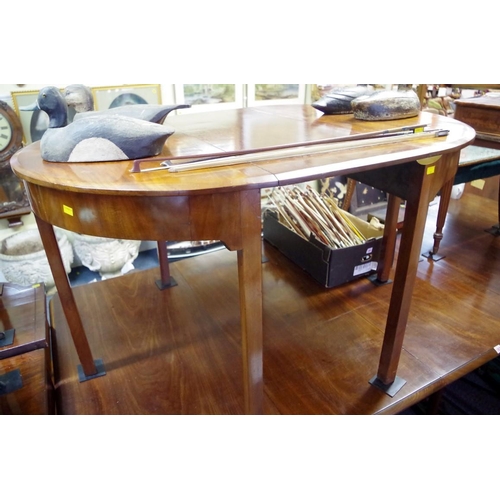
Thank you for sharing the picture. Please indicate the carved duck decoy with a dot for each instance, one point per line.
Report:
(338, 100)
(80, 98)
(386, 105)
(97, 137)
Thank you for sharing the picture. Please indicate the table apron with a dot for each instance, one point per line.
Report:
(182, 218)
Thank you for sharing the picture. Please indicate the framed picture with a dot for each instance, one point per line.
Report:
(34, 123)
(14, 200)
(208, 96)
(261, 94)
(112, 97)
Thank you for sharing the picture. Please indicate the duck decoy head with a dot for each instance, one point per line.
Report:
(79, 97)
(51, 100)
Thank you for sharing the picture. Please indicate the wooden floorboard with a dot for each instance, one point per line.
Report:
(178, 351)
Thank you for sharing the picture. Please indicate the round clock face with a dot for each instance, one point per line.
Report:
(11, 133)
(5, 132)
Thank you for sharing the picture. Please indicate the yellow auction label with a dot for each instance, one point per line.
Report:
(420, 129)
(431, 170)
(68, 210)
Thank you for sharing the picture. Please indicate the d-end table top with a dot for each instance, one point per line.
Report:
(242, 129)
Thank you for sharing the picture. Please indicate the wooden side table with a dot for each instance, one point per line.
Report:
(25, 358)
(482, 114)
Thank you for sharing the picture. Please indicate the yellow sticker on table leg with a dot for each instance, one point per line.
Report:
(431, 170)
(68, 210)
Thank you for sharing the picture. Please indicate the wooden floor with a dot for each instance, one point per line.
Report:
(177, 351)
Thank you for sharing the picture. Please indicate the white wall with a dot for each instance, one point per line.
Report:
(167, 89)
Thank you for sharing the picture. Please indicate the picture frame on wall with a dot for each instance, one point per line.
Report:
(14, 201)
(262, 94)
(123, 95)
(208, 96)
(35, 122)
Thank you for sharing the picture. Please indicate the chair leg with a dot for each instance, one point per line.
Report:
(495, 230)
(351, 185)
(444, 203)
(499, 200)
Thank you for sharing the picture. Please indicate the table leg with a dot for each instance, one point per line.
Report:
(166, 280)
(67, 299)
(389, 238)
(498, 202)
(250, 285)
(417, 205)
(495, 229)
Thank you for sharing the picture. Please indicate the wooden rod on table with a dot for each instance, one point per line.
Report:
(407, 130)
(299, 151)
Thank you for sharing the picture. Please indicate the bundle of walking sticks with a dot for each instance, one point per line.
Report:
(306, 212)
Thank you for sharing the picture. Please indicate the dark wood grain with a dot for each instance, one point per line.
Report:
(35, 396)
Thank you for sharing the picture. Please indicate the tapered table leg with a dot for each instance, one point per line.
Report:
(499, 200)
(495, 229)
(250, 286)
(417, 205)
(389, 238)
(49, 240)
(166, 280)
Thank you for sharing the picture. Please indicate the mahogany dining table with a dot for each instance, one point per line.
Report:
(136, 200)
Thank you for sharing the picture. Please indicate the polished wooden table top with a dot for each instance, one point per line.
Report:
(241, 129)
(223, 203)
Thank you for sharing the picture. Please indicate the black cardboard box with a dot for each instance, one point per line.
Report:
(330, 267)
